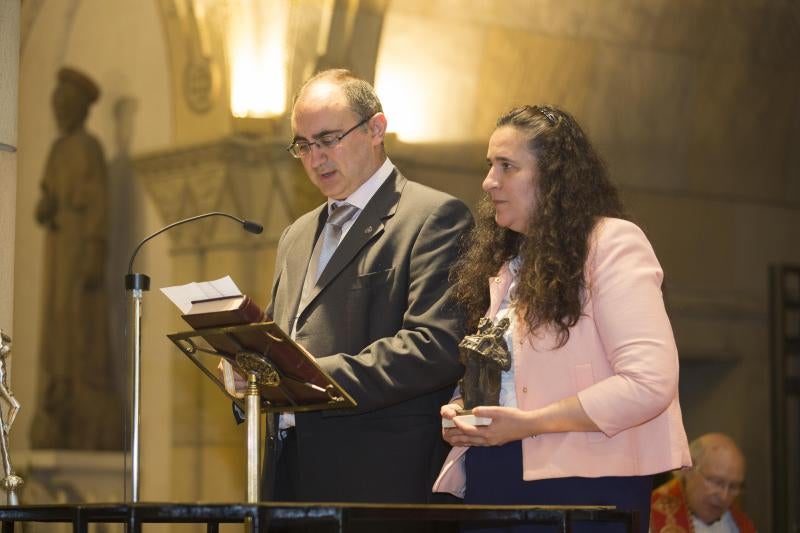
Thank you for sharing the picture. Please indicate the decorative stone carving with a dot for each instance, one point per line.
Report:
(248, 176)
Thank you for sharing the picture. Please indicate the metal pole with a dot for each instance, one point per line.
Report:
(136, 392)
(252, 413)
(136, 284)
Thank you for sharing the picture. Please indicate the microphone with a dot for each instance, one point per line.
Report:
(136, 284)
(140, 281)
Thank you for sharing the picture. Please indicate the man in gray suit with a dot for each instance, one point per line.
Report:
(361, 282)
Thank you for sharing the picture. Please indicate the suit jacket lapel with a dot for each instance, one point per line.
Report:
(368, 226)
(298, 257)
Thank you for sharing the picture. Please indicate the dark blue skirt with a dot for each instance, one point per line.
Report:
(494, 477)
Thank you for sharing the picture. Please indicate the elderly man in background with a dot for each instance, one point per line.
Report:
(702, 499)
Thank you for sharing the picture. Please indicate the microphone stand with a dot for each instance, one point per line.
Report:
(136, 284)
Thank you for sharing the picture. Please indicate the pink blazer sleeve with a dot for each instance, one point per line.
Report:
(624, 280)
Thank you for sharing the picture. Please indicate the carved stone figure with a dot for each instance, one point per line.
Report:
(78, 407)
(484, 356)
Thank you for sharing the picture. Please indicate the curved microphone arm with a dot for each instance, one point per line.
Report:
(136, 284)
(248, 225)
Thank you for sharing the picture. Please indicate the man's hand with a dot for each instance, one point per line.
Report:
(235, 384)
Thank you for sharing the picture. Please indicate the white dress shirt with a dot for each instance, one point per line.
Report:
(508, 392)
(726, 524)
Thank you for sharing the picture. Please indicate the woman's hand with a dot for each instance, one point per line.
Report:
(508, 424)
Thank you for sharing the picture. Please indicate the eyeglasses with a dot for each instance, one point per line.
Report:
(300, 149)
(721, 485)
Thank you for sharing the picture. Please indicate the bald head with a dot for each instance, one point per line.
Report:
(716, 477)
(714, 444)
(359, 94)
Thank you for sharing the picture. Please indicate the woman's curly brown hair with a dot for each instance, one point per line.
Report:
(573, 190)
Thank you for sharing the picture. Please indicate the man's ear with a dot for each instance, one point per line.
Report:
(377, 128)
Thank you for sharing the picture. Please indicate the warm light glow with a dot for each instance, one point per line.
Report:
(404, 103)
(428, 91)
(257, 52)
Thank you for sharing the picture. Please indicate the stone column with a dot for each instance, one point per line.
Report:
(9, 84)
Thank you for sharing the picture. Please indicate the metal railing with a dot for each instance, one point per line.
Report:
(260, 517)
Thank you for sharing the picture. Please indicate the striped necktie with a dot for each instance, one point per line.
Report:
(327, 243)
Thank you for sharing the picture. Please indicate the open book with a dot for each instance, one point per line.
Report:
(230, 325)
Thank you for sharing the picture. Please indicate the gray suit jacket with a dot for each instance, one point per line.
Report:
(380, 322)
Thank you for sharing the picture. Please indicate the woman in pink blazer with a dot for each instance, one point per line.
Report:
(589, 409)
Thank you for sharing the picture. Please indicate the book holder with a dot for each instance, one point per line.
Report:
(281, 377)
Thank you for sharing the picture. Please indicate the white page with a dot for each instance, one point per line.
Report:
(183, 295)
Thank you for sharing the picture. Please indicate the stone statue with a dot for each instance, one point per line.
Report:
(484, 356)
(78, 406)
(11, 482)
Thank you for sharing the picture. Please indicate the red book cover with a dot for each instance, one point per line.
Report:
(222, 312)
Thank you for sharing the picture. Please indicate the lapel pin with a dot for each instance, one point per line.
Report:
(368, 230)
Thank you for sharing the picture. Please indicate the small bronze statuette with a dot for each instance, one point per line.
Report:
(484, 356)
(11, 482)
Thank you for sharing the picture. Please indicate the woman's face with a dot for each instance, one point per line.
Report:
(512, 180)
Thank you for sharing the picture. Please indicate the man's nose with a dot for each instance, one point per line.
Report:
(316, 155)
(727, 494)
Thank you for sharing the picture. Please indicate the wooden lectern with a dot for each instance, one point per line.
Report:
(281, 375)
